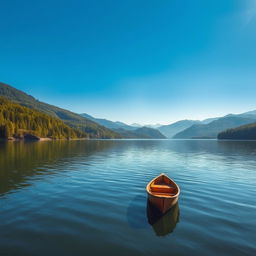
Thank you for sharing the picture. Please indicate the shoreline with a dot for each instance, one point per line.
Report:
(37, 139)
(12, 139)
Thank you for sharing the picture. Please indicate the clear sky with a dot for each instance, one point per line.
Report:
(144, 61)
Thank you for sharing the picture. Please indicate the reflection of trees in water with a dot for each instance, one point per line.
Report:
(163, 224)
(20, 160)
(237, 147)
(210, 146)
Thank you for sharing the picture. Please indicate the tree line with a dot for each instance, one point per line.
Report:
(244, 132)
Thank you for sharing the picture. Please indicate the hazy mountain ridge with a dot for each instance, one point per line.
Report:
(170, 130)
(109, 124)
(141, 133)
(128, 131)
(212, 129)
(209, 120)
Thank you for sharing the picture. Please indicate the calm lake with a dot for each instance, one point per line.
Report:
(88, 198)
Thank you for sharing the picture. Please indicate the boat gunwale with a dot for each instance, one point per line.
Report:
(164, 197)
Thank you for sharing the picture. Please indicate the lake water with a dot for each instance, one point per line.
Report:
(88, 198)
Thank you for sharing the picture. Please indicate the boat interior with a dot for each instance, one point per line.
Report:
(162, 186)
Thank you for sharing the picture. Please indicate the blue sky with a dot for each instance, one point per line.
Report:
(133, 61)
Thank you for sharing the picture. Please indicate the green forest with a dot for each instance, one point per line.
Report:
(18, 121)
(244, 132)
(76, 121)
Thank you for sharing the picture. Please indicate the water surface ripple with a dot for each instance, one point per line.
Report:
(88, 198)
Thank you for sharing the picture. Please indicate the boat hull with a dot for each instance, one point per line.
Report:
(167, 201)
(162, 204)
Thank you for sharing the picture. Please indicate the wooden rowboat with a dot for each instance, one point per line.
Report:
(163, 192)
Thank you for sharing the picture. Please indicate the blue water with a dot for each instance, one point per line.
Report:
(88, 198)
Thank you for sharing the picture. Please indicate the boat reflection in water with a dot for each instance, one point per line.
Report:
(163, 224)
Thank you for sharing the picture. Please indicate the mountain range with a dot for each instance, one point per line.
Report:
(172, 129)
(90, 126)
(212, 129)
(128, 131)
(109, 124)
(184, 129)
(93, 127)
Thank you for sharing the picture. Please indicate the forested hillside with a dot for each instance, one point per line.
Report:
(19, 121)
(71, 119)
(244, 132)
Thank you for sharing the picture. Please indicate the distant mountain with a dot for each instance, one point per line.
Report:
(141, 133)
(136, 125)
(249, 114)
(212, 129)
(170, 130)
(209, 120)
(154, 126)
(109, 124)
(244, 132)
(128, 131)
(149, 132)
(74, 120)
